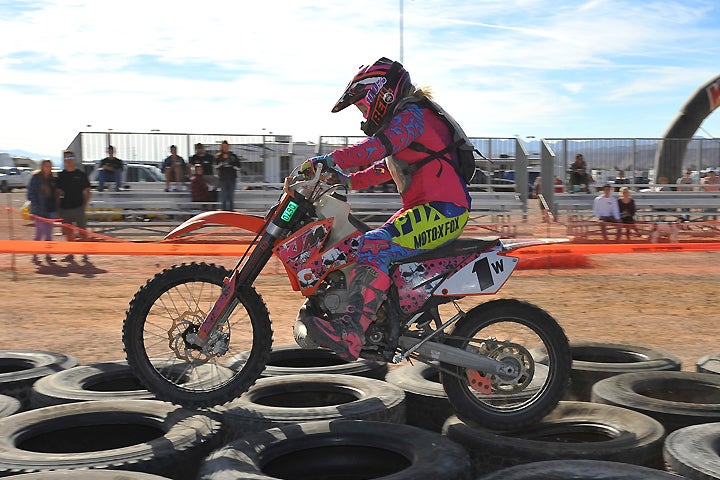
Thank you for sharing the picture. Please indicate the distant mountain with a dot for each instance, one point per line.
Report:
(35, 156)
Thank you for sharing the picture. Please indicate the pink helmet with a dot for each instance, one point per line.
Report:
(378, 87)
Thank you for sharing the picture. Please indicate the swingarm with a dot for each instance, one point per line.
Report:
(457, 356)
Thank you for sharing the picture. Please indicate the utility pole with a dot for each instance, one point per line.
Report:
(401, 31)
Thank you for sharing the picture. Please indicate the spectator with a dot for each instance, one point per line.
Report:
(579, 181)
(206, 160)
(111, 169)
(43, 206)
(227, 164)
(175, 170)
(621, 180)
(626, 206)
(711, 182)
(605, 209)
(199, 189)
(73, 196)
(663, 185)
(686, 179)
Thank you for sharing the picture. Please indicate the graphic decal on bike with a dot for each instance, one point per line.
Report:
(481, 276)
(311, 271)
(416, 281)
(298, 249)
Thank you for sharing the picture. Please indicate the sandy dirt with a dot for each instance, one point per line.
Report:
(664, 300)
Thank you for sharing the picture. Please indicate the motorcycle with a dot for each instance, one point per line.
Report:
(504, 363)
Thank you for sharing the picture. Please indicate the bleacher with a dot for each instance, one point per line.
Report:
(155, 212)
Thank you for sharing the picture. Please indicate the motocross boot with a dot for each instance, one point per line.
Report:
(345, 333)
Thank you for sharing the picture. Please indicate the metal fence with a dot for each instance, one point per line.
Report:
(269, 158)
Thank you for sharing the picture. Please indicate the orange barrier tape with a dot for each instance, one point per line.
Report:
(609, 248)
(125, 248)
(238, 248)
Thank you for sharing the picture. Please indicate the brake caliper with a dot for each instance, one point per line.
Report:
(480, 382)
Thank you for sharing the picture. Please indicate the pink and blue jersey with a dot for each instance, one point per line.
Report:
(436, 181)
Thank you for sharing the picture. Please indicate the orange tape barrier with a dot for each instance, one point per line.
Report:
(609, 248)
(124, 248)
(238, 248)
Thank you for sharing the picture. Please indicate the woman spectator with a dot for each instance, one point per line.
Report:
(41, 193)
(199, 189)
(626, 205)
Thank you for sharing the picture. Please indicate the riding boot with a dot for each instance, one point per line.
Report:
(345, 333)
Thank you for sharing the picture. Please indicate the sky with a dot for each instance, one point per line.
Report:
(531, 68)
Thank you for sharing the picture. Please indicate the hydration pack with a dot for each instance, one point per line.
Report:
(460, 142)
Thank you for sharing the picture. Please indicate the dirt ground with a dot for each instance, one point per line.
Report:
(664, 300)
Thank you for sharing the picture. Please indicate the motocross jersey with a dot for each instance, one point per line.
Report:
(436, 181)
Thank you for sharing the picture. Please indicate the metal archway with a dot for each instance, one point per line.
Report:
(671, 151)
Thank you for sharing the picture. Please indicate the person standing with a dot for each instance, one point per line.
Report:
(72, 196)
(111, 168)
(205, 160)
(43, 207)
(227, 165)
(175, 170)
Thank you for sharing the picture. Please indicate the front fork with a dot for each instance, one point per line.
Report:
(289, 213)
(226, 303)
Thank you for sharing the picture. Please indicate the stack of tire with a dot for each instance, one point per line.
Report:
(312, 415)
(83, 420)
(64, 420)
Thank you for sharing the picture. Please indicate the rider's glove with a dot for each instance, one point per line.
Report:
(326, 160)
(339, 178)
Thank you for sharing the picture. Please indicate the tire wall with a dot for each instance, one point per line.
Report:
(670, 154)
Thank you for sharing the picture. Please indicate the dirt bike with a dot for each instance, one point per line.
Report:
(202, 316)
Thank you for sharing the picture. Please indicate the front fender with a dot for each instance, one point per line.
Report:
(252, 223)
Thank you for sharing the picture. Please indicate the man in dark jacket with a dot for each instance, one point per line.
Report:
(73, 196)
(111, 169)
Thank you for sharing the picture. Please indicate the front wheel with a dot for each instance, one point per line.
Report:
(508, 331)
(173, 305)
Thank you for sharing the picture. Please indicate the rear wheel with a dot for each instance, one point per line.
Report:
(507, 331)
(174, 304)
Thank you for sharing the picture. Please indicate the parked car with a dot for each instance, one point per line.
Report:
(533, 173)
(14, 177)
(133, 173)
(482, 178)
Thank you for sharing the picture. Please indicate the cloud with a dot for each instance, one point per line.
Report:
(531, 67)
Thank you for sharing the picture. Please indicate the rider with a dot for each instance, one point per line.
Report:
(435, 199)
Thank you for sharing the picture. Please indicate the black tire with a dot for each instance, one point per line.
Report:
(292, 360)
(88, 475)
(708, 364)
(98, 381)
(9, 406)
(176, 302)
(277, 401)
(4, 188)
(578, 470)
(675, 399)
(139, 435)
(595, 361)
(426, 402)
(427, 405)
(694, 451)
(339, 449)
(485, 328)
(574, 430)
(19, 369)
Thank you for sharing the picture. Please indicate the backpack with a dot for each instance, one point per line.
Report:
(461, 143)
